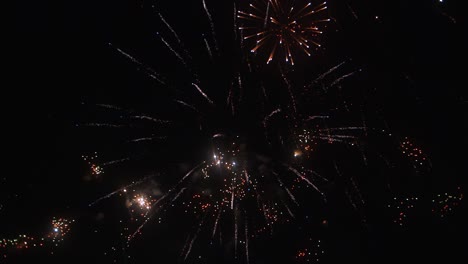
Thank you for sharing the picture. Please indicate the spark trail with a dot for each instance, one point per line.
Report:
(202, 93)
(194, 237)
(174, 52)
(143, 139)
(178, 194)
(352, 11)
(149, 71)
(152, 119)
(123, 189)
(316, 117)
(108, 125)
(291, 95)
(211, 24)
(216, 223)
(171, 29)
(115, 161)
(241, 91)
(265, 21)
(235, 21)
(323, 75)
(274, 112)
(246, 239)
(298, 174)
(337, 81)
(286, 188)
(235, 233)
(113, 107)
(208, 48)
(188, 105)
(316, 174)
(287, 208)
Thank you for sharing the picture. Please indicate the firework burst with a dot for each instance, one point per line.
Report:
(235, 185)
(283, 27)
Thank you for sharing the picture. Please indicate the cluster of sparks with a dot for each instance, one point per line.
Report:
(96, 170)
(218, 189)
(311, 254)
(415, 155)
(442, 205)
(308, 138)
(307, 143)
(234, 186)
(403, 208)
(60, 227)
(281, 24)
(140, 204)
(22, 242)
(445, 203)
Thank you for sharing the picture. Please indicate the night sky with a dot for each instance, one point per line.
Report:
(69, 91)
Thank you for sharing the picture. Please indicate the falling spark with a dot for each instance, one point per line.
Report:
(352, 11)
(178, 194)
(316, 174)
(337, 81)
(216, 223)
(265, 21)
(235, 21)
(353, 182)
(239, 81)
(115, 161)
(316, 117)
(202, 93)
(149, 118)
(287, 208)
(170, 28)
(323, 75)
(194, 237)
(232, 200)
(143, 139)
(304, 179)
(102, 125)
(235, 233)
(291, 95)
(211, 24)
(343, 128)
(274, 112)
(113, 107)
(246, 239)
(174, 52)
(229, 99)
(188, 105)
(287, 189)
(149, 71)
(208, 48)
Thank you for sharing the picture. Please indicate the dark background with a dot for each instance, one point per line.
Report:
(412, 57)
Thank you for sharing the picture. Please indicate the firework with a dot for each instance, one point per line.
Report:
(282, 27)
(231, 191)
